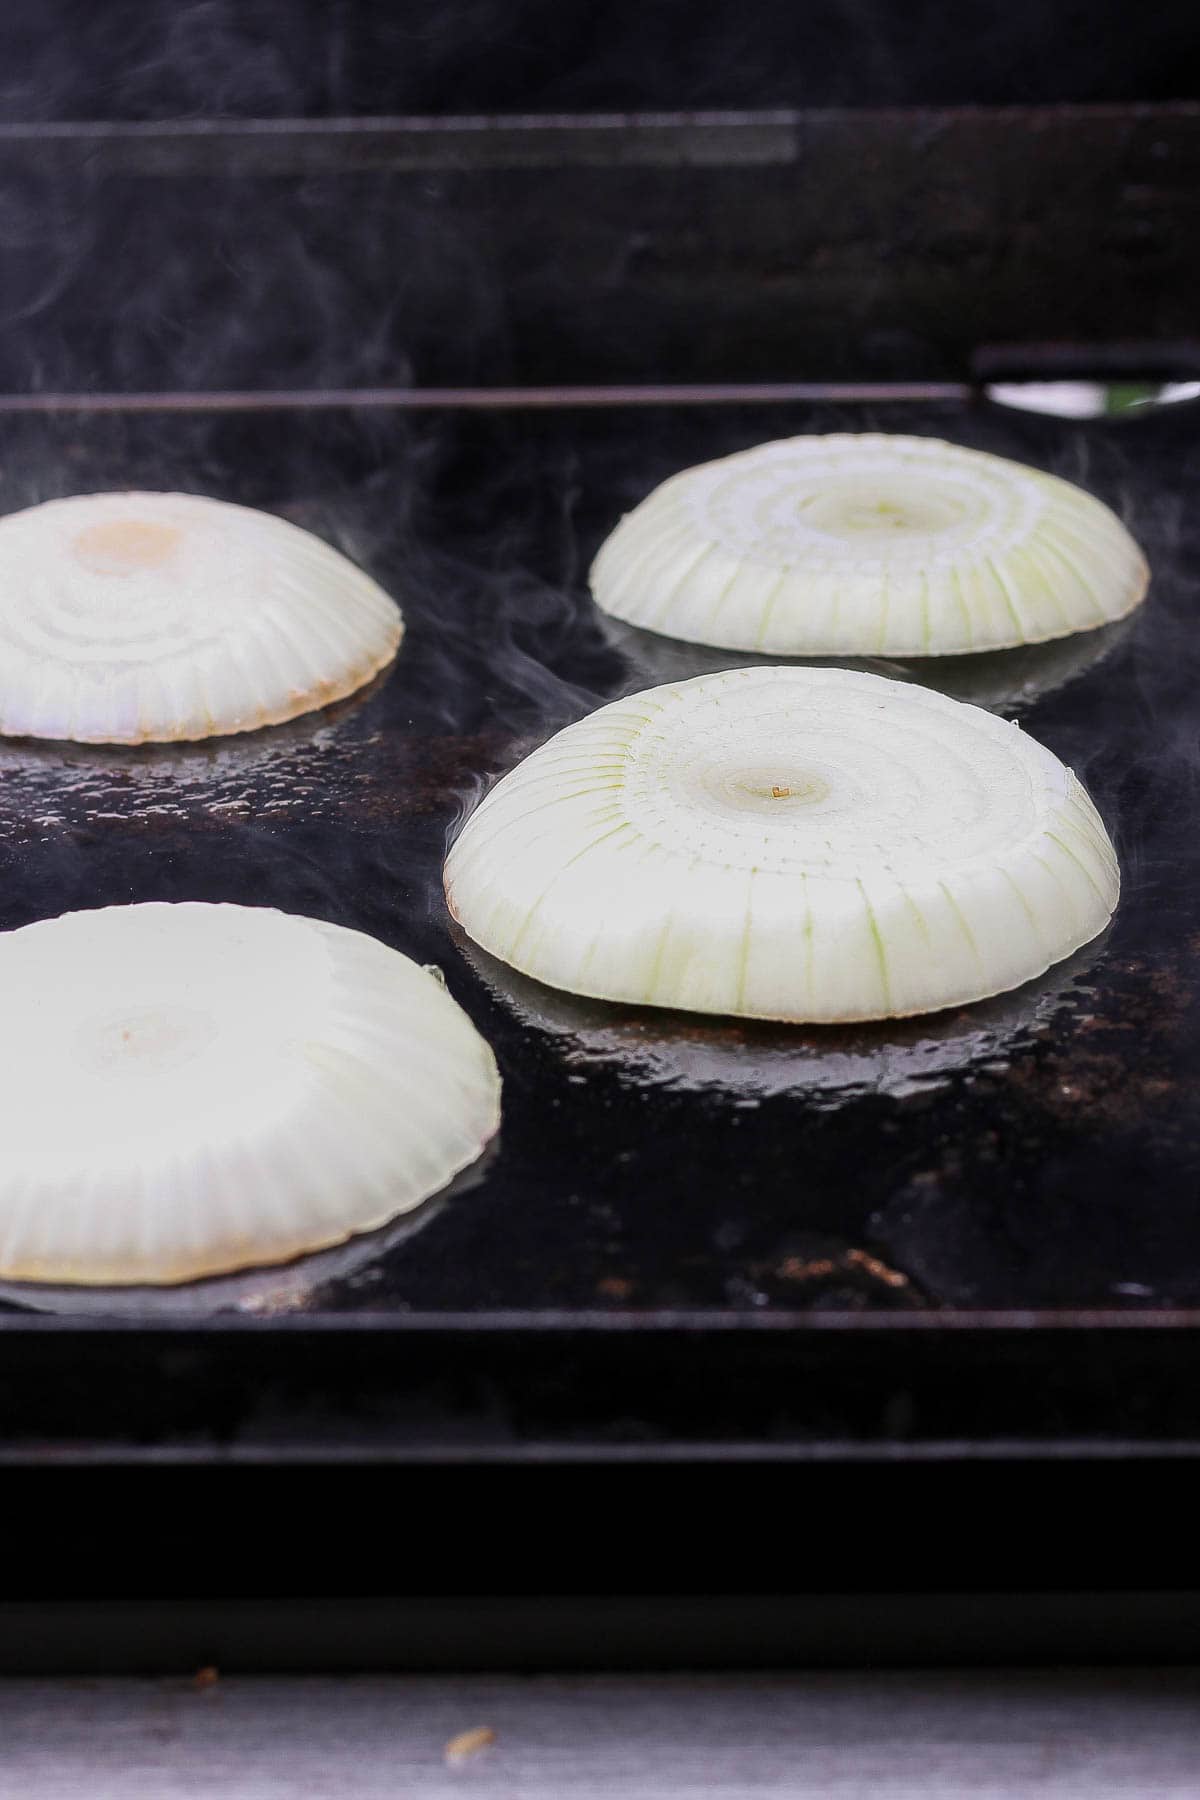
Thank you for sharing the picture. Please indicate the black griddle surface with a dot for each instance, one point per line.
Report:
(1038, 1153)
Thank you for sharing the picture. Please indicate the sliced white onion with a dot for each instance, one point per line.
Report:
(150, 618)
(194, 1089)
(785, 843)
(868, 545)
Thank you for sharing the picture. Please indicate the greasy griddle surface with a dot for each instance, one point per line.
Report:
(1039, 1151)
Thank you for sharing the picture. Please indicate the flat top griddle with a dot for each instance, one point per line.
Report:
(1036, 1151)
(1000, 1173)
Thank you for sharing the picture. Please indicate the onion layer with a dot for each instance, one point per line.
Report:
(868, 545)
(808, 844)
(195, 1089)
(154, 618)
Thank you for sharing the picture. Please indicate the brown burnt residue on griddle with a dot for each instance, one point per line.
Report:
(1123, 1066)
(855, 1262)
(879, 1271)
(820, 1273)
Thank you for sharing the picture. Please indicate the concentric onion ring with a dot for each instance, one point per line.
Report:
(785, 844)
(154, 618)
(868, 545)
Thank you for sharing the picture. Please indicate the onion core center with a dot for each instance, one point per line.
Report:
(124, 546)
(789, 503)
(852, 510)
(146, 1040)
(772, 790)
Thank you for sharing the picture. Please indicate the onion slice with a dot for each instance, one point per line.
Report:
(154, 618)
(868, 545)
(779, 843)
(193, 1089)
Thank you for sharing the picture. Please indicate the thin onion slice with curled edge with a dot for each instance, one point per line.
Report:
(868, 545)
(193, 1089)
(806, 844)
(132, 618)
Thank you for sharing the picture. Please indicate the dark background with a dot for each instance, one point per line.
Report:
(904, 238)
(66, 59)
